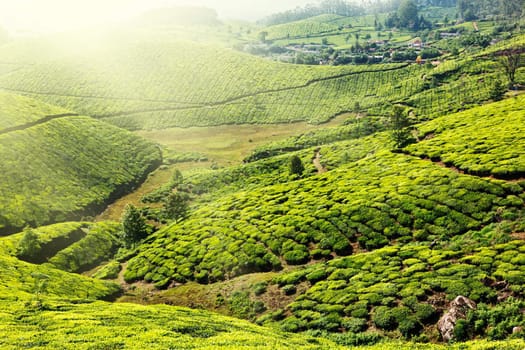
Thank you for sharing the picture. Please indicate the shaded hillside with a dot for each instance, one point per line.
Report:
(67, 168)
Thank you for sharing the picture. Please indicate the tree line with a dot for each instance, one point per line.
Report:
(467, 10)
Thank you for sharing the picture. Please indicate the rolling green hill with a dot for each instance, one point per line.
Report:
(146, 82)
(63, 167)
(410, 228)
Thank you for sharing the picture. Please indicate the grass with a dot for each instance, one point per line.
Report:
(228, 144)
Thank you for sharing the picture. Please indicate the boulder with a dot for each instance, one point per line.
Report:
(458, 310)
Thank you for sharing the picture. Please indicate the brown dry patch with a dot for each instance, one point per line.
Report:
(518, 235)
(212, 297)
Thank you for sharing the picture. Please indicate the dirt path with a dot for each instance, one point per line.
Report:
(43, 120)
(317, 162)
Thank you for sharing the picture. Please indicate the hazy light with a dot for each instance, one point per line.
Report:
(59, 15)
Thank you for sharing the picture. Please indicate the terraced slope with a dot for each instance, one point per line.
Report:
(300, 29)
(483, 141)
(145, 83)
(382, 241)
(24, 281)
(66, 168)
(371, 202)
(406, 288)
(103, 325)
(72, 246)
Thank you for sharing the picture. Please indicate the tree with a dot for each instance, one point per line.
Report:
(408, 14)
(511, 60)
(262, 36)
(497, 90)
(29, 246)
(296, 166)
(511, 8)
(134, 225)
(399, 127)
(176, 206)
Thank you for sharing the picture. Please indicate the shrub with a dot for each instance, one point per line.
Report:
(354, 325)
(296, 166)
(29, 246)
(409, 327)
(384, 318)
(260, 288)
(296, 257)
(316, 275)
(289, 289)
(461, 332)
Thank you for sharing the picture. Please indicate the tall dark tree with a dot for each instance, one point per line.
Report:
(497, 90)
(511, 60)
(399, 127)
(134, 225)
(296, 166)
(511, 8)
(176, 206)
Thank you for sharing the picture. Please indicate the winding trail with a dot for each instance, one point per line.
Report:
(40, 121)
(317, 162)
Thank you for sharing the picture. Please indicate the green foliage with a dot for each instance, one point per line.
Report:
(296, 166)
(176, 206)
(461, 330)
(495, 321)
(100, 325)
(399, 123)
(18, 111)
(485, 141)
(109, 89)
(243, 307)
(498, 90)
(100, 244)
(382, 286)
(134, 225)
(408, 14)
(29, 246)
(108, 271)
(384, 318)
(372, 201)
(67, 168)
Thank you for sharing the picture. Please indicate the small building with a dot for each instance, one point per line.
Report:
(417, 43)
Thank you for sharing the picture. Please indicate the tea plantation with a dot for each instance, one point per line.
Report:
(332, 237)
(64, 167)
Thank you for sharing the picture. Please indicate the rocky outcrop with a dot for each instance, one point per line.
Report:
(458, 310)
